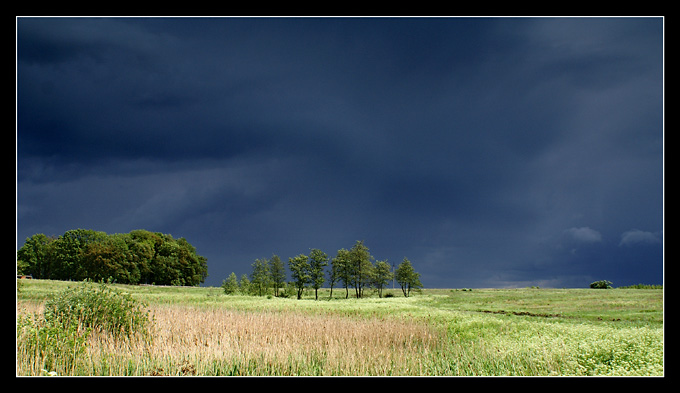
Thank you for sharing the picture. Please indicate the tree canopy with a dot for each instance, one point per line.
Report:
(138, 257)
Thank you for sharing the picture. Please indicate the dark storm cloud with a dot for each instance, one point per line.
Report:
(487, 150)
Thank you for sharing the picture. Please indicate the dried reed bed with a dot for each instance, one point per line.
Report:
(195, 340)
(287, 343)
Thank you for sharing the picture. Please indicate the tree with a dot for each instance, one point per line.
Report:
(230, 284)
(244, 285)
(136, 257)
(193, 268)
(142, 245)
(69, 251)
(407, 277)
(360, 267)
(277, 272)
(165, 265)
(382, 274)
(110, 260)
(260, 278)
(340, 270)
(299, 271)
(318, 260)
(36, 256)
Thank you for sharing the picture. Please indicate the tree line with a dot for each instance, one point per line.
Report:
(350, 269)
(138, 257)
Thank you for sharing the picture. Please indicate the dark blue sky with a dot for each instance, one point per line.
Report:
(492, 152)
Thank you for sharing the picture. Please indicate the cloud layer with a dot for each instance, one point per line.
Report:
(472, 146)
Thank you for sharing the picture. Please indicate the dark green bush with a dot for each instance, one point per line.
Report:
(602, 284)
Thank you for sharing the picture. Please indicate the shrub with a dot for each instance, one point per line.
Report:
(97, 308)
(56, 339)
(602, 284)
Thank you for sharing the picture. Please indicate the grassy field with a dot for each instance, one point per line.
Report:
(481, 332)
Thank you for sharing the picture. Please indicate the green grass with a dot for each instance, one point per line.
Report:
(644, 306)
(525, 332)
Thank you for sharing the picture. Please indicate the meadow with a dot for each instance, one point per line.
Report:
(200, 331)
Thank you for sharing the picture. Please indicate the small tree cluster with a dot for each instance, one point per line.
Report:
(138, 257)
(353, 268)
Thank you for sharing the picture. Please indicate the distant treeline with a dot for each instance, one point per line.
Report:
(138, 257)
(351, 268)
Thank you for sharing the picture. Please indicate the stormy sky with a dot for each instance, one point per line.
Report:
(491, 152)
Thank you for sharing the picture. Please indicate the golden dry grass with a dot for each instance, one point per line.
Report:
(287, 342)
(189, 340)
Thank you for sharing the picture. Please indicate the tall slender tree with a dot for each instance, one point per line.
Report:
(361, 267)
(277, 272)
(382, 275)
(341, 269)
(260, 279)
(318, 260)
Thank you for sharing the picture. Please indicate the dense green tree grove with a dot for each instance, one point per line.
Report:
(138, 257)
(353, 268)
